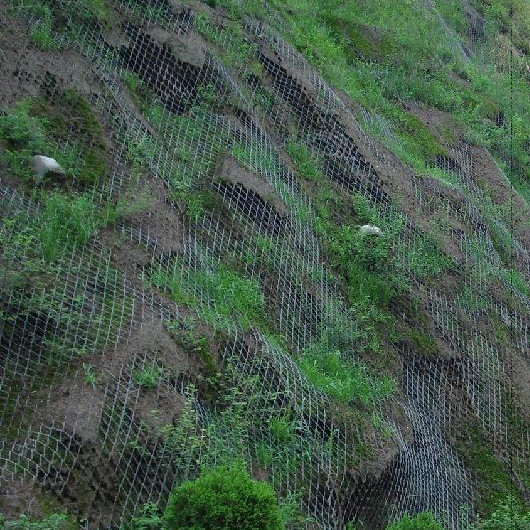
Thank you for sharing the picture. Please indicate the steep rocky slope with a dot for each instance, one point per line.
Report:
(194, 288)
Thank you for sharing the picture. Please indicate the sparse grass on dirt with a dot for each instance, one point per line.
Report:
(232, 297)
(372, 52)
(52, 16)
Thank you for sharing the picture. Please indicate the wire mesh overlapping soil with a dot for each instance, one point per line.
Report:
(177, 299)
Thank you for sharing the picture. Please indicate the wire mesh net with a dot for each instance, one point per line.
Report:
(101, 405)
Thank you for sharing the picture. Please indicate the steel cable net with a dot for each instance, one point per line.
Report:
(127, 445)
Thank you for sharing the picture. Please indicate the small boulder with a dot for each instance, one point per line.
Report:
(43, 165)
(370, 230)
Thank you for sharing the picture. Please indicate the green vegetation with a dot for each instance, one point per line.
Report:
(55, 521)
(59, 15)
(65, 129)
(422, 521)
(303, 160)
(425, 258)
(231, 296)
(223, 498)
(372, 52)
(232, 45)
(63, 223)
(195, 344)
(493, 482)
(148, 517)
(424, 342)
(42, 36)
(40, 11)
(371, 277)
(148, 376)
(343, 380)
(66, 222)
(195, 155)
(34, 241)
(150, 10)
(508, 515)
(282, 428)
(90, 374)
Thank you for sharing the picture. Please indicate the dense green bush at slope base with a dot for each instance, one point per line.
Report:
(223, 498)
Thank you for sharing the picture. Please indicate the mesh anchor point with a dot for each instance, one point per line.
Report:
(43, 165)
(370, 230)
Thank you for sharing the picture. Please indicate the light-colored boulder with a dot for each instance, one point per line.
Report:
(43, 165)
(370, 230)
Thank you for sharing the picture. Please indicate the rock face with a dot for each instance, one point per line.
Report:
(44, 165)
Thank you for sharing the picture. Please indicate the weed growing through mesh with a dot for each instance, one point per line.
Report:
(254, 158)
(233, 46)
(90, 374)
(51, 17)
(194, 158)
(150, 10)
(42, 16)
(303, 160)
(62, 223)
(344, 380)
(148, 376)
(421, 521)
(54, 521)
(222, 295)
(282, 428)
(42, 36)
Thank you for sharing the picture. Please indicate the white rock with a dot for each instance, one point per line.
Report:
(42, 165)
(370, 229)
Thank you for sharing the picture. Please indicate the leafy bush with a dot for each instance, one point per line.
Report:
(422, 521)
(509, 515)
(223, 498)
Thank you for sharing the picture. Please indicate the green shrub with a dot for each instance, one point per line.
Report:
(422, 521)
(223, 498)
(509, 515)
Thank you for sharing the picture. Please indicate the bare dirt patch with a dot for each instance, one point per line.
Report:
(24, 67)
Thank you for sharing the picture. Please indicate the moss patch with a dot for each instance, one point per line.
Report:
(69, 118)
(493, 482)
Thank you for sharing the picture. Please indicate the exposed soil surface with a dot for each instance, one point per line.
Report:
(78, 413)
